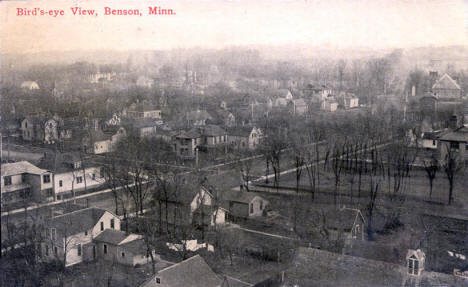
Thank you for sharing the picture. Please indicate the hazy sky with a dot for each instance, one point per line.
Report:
(216, 23)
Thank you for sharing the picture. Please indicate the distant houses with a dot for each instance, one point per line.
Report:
(30, 85)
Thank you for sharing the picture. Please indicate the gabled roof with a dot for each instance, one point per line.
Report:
(59, 162)
(458, 135)
(344, 218)
(77, 221)
(193, 272)
(16, 168)
(446, 82)
(111, 236)
(144, 123)
(239, 196)
(191, 134)
(212, 130)
(241, 131)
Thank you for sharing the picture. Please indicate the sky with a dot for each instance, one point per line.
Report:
(218, 24)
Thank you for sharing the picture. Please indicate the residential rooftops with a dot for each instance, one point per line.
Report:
(21, 167)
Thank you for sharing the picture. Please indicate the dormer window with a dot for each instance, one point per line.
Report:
(413, 265)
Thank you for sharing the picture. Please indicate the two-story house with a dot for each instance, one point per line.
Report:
(72, 174)
(25, 182)
(32, 128)
(186, 143)
(69, 237)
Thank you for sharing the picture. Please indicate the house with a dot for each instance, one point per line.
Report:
(242, 204)
(30, 85)
(446, 88)
(347, 224)
(415, 262)
(299, 107)
(100, 77)
(194, 272)
(144, 111)
(455, 141)
(69, 237)
(98, 142)
(244, 137)
(25, 182)
(32, 128)
(198, 117)
(348, 101)
(430, 140)
(115, 120)
(145, 127)
(116, 246)
(71, 174)
(320, 91)
(193, 206)
(329, 105)
(222, 117)
(186, 143)
(212, 136)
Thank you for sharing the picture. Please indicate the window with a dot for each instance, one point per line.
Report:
(102, 226)
(158, 280)
(79, 179)
(123, 254)
(46, 178)
(261, 204)
(55, 250)
(105, 249)
(60, 183)
(112, 223)
(26, 124)
(49, 192)
(94, 176)
(79, 249)
(251, 208)
(47, 250)
(413, 266)
(433, 142)
(86, 233)
(7, 180)
(454, 145)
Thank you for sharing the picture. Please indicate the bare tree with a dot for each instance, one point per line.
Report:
(451, 167)
(431, 167)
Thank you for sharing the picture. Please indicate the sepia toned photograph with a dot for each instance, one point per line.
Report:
(234, 143)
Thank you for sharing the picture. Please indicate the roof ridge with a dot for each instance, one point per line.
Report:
(179, 263)
(79, 210)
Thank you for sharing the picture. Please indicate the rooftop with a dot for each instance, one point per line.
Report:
(21, 167)
(239, 196)
(193, 272)
(77, 221)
